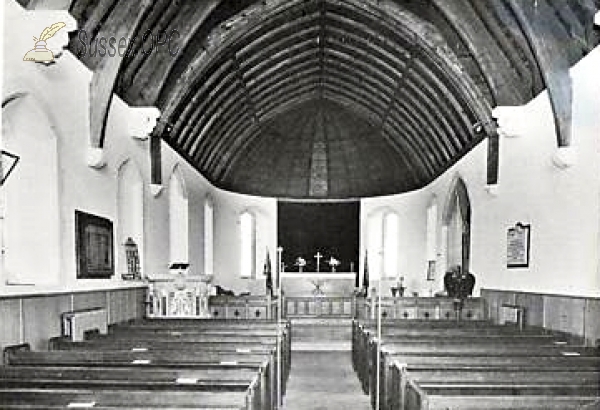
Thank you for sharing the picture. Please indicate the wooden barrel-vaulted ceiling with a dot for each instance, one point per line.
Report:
(336, 98)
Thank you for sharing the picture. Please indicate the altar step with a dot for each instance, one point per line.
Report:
(321, 334)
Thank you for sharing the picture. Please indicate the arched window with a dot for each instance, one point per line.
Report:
(457, 226)
(208, 236)
(29, 204)
(374, 245)
(383, 243)
(130, 204)
(178, 219)
(390, 244)
(432, 214)
(248, 244)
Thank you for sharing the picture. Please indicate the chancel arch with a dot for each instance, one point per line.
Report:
(130, 202)
(29, 198)
(178, 218)
(456, 226)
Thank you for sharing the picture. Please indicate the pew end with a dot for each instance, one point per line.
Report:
(9, 351)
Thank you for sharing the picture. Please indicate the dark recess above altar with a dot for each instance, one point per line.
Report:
(330, 228)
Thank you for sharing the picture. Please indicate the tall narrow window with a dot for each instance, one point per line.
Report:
(208, 236)
(30, 206)
(248, 244)
(130, 223)
(432, 213)
(375, 245)
(390, 244)
(178, 219)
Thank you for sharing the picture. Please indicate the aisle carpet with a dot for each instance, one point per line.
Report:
(323, 380)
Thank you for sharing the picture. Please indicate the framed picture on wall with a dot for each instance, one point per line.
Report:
(517, 246)
(94, 246)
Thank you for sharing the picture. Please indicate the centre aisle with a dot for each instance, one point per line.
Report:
(323, 380)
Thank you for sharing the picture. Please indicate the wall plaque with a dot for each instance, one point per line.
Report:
(517, 246)
(94, 246)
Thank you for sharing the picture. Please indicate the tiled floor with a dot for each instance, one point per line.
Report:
(323, 380)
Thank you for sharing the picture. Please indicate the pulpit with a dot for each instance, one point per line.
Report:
(178, 296)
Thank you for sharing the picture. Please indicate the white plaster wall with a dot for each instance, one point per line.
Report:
(411, 209)
(562, 206)
(228, 207)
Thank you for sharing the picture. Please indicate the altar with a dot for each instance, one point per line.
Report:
(319, 294)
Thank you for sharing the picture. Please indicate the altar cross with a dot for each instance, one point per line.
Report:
(318, 256)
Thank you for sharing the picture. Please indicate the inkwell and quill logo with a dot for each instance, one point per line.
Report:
(40, 54)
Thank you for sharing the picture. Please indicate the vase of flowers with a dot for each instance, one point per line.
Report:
(300, 263)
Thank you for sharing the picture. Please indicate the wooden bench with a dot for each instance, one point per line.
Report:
(19, 398)
(482, 347)
(156, 360)
(401, 374)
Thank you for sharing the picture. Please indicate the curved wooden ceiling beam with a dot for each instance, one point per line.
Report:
(546, 41)
(423, 132)
(135, 68)
(228, 88)
(215, 77)
(104, 79)
(278, 92)
(222, 40)
(448, 126)
(154, 77)
(500, 76)
(307, 69)
(247, 137)
(231, 140)
(434, 125)
(201, 129)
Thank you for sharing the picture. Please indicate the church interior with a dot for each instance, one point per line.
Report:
(300, 204)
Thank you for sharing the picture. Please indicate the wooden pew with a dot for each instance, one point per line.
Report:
(478, 347)
(363, 331)
(463, 344)
(401, 375)
(207, 333)
(423, 342)
(19, 398)
(459, 363)
(155, 360)
(437, 396)
(144, 345)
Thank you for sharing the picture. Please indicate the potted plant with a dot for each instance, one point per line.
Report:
(399, 289)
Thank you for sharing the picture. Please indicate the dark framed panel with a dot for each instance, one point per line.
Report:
(94, 245)
(517, 247)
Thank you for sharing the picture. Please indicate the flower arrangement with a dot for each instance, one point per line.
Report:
(300, 263)
(333, 262)
(399, 288)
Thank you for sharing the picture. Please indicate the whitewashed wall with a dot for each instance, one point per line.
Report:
(562, 205)
(44, 251)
